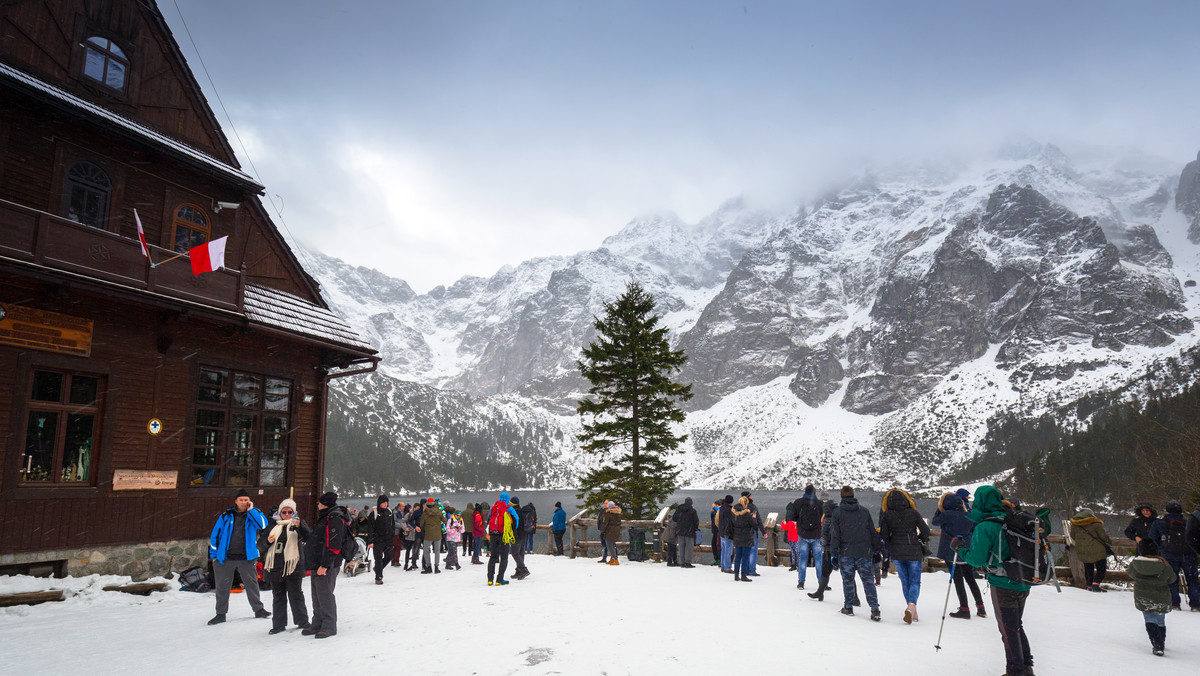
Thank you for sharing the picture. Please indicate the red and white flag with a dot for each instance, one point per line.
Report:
(141, 234)
(208, 257)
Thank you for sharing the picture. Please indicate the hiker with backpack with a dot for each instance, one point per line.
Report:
(531, 529)
(324, 553)
(284, 567)
(502, 520)
(687, 524)
(906, 535)
(952, 518)
(381, 529)
(809, 512)
(233, 548)
(1170, 533)
(1152, 579)
(1092, 546)
(989, 548)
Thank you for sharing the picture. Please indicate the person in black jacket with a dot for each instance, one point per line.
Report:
(283, 564)
(725, 530)
(716, 536)
(687, 524)
(323, 556)
(905, 535)
(1143, 519)
(381, 529)
(1192, 532)
(1170, 533)
(758, 532)
(826, 564)
(853, 539)
(521, 529)
(744, 537)
(807, 513)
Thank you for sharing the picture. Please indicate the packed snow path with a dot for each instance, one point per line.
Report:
(578, 617)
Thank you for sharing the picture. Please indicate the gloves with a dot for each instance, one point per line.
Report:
(833, 562)
(956, 543)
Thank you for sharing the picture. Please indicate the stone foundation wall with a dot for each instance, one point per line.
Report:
(140, 561)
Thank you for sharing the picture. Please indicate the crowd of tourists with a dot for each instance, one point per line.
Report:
(830, 535)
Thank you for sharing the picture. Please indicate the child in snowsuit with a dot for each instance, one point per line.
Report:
(454, 534)
(1152, 579)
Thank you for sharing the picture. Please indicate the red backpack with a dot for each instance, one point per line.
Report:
(496, 517)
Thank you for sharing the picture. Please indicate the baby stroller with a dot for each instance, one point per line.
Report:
(361, 561)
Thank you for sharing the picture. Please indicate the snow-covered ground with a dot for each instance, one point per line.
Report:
(576, 617)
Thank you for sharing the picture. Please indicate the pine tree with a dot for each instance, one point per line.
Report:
(630, 407)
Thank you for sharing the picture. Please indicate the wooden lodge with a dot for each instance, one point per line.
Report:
(136, 400)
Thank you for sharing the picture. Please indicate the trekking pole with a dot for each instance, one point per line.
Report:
(946, 605)
(1053, 566)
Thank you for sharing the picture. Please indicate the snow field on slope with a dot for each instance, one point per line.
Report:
(577, 617)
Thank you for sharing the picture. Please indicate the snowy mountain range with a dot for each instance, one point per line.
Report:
(866, 337)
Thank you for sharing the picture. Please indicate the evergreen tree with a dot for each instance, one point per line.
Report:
(630, 407)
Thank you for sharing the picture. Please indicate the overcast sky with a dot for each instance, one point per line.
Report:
(440, 138)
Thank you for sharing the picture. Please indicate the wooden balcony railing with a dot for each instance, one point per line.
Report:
(52, 242)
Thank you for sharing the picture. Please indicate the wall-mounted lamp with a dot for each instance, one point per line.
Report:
(308, 397)
(226, 205)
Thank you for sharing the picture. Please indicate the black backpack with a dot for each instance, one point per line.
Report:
(349, 543)
(1174, 541)
(1028, 561)
(809, 518)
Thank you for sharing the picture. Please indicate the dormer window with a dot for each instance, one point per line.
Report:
(106, 63)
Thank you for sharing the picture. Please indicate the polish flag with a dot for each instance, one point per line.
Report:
(208, 257)
(141, 234)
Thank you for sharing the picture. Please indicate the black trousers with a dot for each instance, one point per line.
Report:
(964, 576)
(558, 540)
(1009, 607)
(383, 554)
(467, 541)
(497, 553)
(324, 602)
(518, 554)
(411, 553)
(285, 590)
(1093, 573)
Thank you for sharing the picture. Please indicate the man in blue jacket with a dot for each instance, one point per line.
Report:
(233, 547)
(558, 526)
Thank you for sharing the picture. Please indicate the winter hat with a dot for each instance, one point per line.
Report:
(687, 501)
(429, 500)
(382, 499)
(328, 499)
(729, 499)
(847, 492)
(243, 494)
(558, 504)
(288, 503)
(824, 496)
(515, 500)
(1173, 507)
(504, 496)
(810, 489)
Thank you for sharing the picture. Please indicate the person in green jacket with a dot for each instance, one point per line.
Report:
(1092, 546)
(1152, 579)
(988, 549)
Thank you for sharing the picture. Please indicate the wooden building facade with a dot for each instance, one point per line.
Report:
(136, 400)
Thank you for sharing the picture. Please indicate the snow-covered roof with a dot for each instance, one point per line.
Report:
(291, 313)
(127, 124)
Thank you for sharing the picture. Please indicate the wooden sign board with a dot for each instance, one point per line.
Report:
(42, 330)
(143, 480)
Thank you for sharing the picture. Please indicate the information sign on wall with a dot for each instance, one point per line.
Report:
(43, 330)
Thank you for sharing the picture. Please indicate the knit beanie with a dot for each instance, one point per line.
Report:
(1173, 507)
(515, 501)
(382, 499)
(558, 504)
(328, 499)
(288, 503)
(242, 493)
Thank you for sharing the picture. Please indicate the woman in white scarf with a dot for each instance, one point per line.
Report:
(284, 568)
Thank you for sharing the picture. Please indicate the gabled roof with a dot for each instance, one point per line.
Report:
(188, 153)
(293, 314)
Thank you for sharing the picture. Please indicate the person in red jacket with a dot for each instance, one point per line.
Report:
(478, 533)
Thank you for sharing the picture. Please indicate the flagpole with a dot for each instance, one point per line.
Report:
(168, 260)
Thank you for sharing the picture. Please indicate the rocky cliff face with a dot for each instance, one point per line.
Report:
(867, 336)
(1187, 197)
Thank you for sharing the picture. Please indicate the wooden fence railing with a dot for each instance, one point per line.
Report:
(774, 555)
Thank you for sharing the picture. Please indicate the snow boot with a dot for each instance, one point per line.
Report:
(980, 611)
(217, 619)
(910, 613)
(1152, 632)
(818, 595)
(848, 611)
(614, 562)
(799, 585)
(963, 613)
(737, 577)
(437, 570)
(792, 569)
(262, 613)
(746, 579)
(875, 615)
(1161, 648)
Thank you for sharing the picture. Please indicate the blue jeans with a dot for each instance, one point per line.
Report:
(863, 568)
(1155, 618)
(910, 579)
(803, 546)
(477, 546)
(1186, 567)
(754, 555)
(529, 542)
(741, 562)
(726, 554)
